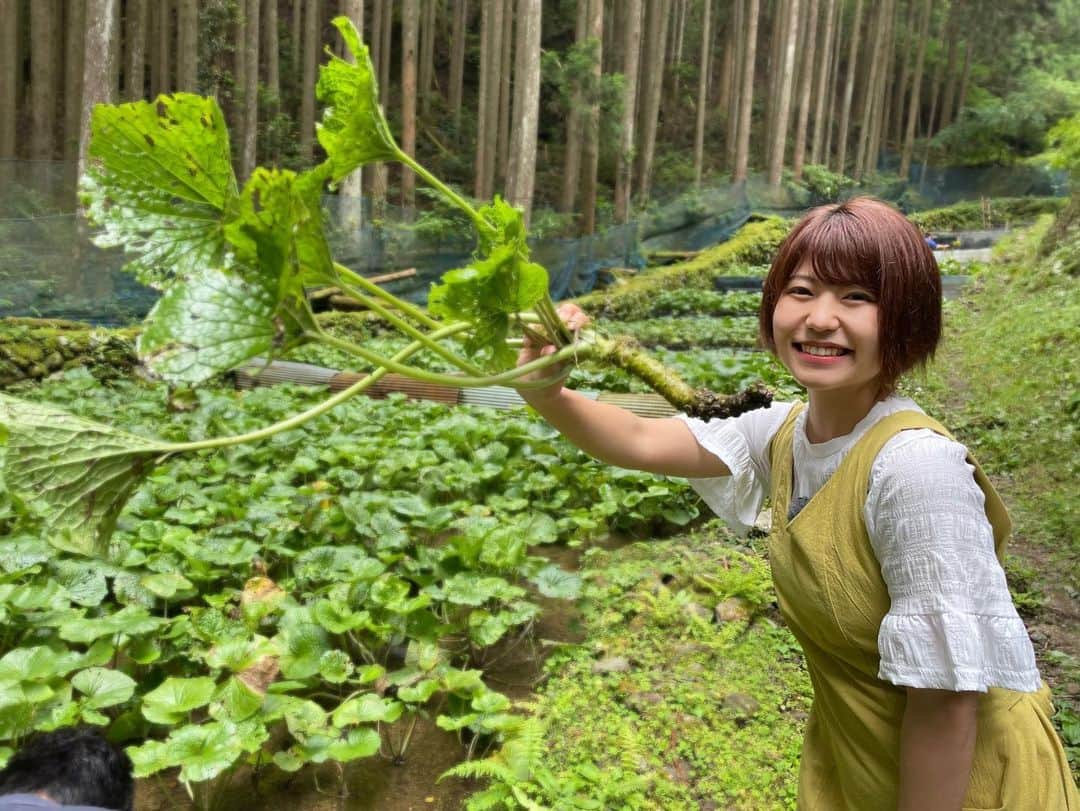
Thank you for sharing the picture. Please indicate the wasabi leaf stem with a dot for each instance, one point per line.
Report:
(317, 410)
(464, 381)
(408, 329)
(448, 193)
(374, 290)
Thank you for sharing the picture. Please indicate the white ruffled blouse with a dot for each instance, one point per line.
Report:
(952, 624)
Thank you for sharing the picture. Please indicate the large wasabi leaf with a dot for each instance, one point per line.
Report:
(212, 323)
(502, 224)
(201, 751)
(160, 183)
(103, 687)
(80, 472)
(174, 698)
(353, 130)
(554, 581)
(217, 318)
(500, 282)
(487, 294)
(130, 620)
(357, 743)
(367, 708)
(279, 212)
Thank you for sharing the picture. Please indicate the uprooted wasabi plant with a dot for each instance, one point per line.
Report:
(233, 265)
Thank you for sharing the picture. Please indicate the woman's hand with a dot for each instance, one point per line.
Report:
(537, 346)
(606, 431)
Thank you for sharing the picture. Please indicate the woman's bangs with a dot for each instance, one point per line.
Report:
(842, 253)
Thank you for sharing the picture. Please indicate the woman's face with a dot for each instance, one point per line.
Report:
(827, 335)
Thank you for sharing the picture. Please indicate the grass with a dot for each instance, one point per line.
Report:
(664, 706)
(996, 213)
(1005, 382)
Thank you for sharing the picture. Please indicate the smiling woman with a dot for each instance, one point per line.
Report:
(887, 536)
(864, 246)
(828, 336)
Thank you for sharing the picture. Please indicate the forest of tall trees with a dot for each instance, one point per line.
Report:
(590, 108)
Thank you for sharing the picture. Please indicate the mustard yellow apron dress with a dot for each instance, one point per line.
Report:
(832, 596)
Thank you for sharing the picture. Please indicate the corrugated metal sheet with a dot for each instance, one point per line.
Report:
(260, 373)
(644, 405)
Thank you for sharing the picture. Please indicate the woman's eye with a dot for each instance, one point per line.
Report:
(799, 291)
(859, 295)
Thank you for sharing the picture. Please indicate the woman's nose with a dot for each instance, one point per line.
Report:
(821, 315)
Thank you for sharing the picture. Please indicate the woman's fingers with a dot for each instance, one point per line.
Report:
(573, 316)
(575, 319)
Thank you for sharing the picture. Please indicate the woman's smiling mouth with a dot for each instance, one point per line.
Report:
(821, 350)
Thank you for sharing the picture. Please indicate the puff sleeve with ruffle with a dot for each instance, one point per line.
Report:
(742, 444)
(952, 624)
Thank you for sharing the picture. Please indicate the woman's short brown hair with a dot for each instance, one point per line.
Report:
(866, 242)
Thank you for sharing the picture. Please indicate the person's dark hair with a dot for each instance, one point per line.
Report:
(73, 766)
(866, 242)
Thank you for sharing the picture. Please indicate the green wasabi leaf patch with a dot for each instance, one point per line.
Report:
(160, 183)
(173, 699)
(80, 471)
(103, 687)
(553, 581)
(303, 645)
(236, 701)
(166, 584)
(358, 743)
(203, 751)
(36, 664)
(130, 620)
(353, 130)
(367, 709)
(335, 666)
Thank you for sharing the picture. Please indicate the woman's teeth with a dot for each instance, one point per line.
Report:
(823, 351)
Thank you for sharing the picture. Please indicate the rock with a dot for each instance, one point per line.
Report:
(683, 649)
(33, 348)
(679, 772)
(685, 720)
(744, 706)
(613, 664)
(733, 609)
(764, 522)
(699, 611)
(642, 702)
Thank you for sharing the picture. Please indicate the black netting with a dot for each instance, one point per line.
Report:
(48, 266)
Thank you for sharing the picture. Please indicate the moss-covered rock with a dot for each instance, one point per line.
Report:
(999, 212)
(754, 244)
(32, 348)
